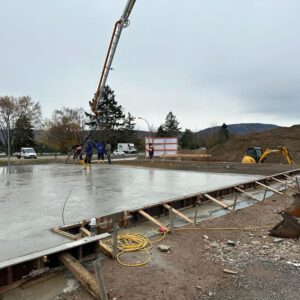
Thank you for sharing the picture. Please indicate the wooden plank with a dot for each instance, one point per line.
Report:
(74, 225)
(84, 232)
(53, 250)
(106, 249)
(287, 176)
(283, 182)
(81, 274)
(178, 213)
(269, 188)
(216, 201)
(151, 219)
(66, 234)
(244, 192)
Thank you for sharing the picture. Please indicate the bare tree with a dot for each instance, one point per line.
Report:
(12, 110)
(65, 129)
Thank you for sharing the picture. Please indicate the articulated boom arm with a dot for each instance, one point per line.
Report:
(284, 151)
(120, 24)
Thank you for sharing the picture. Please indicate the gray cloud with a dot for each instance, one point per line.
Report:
(207, 61)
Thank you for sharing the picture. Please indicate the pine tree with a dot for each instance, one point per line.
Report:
(171, 125)
(128, 134)
(110, 118)
(160, 131)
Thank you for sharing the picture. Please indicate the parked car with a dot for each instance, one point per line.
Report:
(118, 153)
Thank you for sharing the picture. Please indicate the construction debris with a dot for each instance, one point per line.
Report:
(278, 240)
(231, 243)
(294, 264)
(229, 271)
(255, 243)
(164, 248)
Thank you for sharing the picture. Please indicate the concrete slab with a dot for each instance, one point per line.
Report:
(32, 198)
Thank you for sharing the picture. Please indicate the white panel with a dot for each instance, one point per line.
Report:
(171, 140)
(159, 141)
(161, 145)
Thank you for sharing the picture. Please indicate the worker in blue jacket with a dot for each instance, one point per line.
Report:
(100, 149)
(89, 152)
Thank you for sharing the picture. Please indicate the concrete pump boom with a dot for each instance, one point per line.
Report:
(120, 24)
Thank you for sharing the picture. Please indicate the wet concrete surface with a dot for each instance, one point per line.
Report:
(32, 197)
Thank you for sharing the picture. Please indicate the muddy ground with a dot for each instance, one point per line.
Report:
(194, 268)
(218, 167)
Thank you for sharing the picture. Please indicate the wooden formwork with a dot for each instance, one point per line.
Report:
(14, 272)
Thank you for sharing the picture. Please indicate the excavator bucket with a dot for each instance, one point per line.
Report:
(248, 160)
(294, 209)
(287, 228)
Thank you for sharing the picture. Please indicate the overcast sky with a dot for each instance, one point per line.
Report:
(208, 61)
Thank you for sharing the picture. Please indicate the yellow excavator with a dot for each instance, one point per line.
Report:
(258, 155)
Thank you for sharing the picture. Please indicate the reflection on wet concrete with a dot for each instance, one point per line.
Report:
(32, 197)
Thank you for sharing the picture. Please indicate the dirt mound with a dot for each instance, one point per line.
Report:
(236, 147)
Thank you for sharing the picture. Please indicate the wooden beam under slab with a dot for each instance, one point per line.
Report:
(178, 213)
(106, 249)
(81, 273)
(247, 194)
(216, 201)
(84, 232)
(151, 219)
(283, 182)
(287, 176)
(269, 188)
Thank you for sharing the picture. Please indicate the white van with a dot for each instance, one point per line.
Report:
(127, 148)
(27, 153)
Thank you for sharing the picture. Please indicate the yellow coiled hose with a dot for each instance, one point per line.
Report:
(135, 242)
